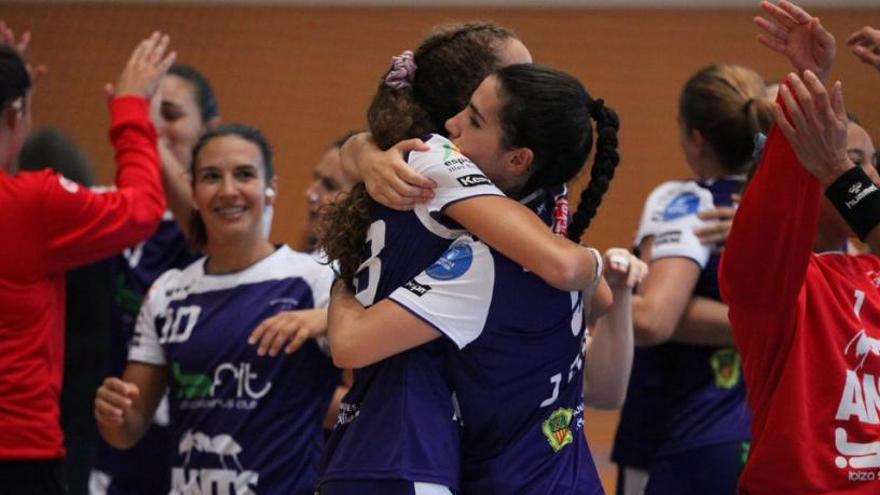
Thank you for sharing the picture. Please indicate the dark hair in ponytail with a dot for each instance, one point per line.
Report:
(451, 63)
(549, 112)
(14, 78)
(728, 105)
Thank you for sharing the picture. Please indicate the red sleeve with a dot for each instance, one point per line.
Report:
(766, 255)
(82, 226)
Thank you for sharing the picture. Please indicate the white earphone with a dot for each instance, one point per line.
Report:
(270, 193)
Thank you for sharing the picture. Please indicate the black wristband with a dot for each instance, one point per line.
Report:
(857, 199)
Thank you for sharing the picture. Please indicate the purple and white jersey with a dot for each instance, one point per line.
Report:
(516, 369)
(397, 421)
(242, 423)
(683, 397)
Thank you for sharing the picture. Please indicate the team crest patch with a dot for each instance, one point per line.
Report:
(557, 428)
(453, 263)
(726, 365)
(684, 204)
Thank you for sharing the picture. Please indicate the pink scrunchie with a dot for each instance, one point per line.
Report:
(403, 71)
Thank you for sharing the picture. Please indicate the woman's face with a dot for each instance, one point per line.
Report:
(181, 121)
(477, 133)
(229, 189)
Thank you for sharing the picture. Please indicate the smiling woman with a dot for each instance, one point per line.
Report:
(192, 338)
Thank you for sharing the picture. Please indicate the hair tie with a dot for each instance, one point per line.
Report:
(560, 213)
(759, 140)
(403, 71)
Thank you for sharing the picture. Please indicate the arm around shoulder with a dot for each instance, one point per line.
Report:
(519, 234)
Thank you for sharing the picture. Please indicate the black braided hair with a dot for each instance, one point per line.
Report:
(604, 163)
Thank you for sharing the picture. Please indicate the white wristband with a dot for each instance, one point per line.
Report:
(600, 267)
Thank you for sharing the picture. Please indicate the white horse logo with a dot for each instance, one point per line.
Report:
(222, 445)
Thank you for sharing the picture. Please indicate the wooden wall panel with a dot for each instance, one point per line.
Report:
(305, 74)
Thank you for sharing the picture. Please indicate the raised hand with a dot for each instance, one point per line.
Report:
(865, 44)
(113, 400)
(7, 36)
(816, 125)
(791, 31)
(145, 68)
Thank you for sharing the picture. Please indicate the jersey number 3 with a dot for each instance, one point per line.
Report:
(367, 278)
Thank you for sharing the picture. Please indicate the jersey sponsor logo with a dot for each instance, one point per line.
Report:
(859, 403)
(417, 288)
(230, 478)
(449, 149)
(347, 413)
(453, 159)
(203, 391)
(669, 237)
(681, 205)
(557, 428)
(453, 263)
(859, 193)
(284, 303)
(473, 180)
(726, 366)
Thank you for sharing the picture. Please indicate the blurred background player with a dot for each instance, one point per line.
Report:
(685, 426)
(328, 182)
(87, 321)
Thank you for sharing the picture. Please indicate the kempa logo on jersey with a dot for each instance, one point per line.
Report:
(199, 391)
(417, 288)
(231, 478)
(473, 180)
(859, 403)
